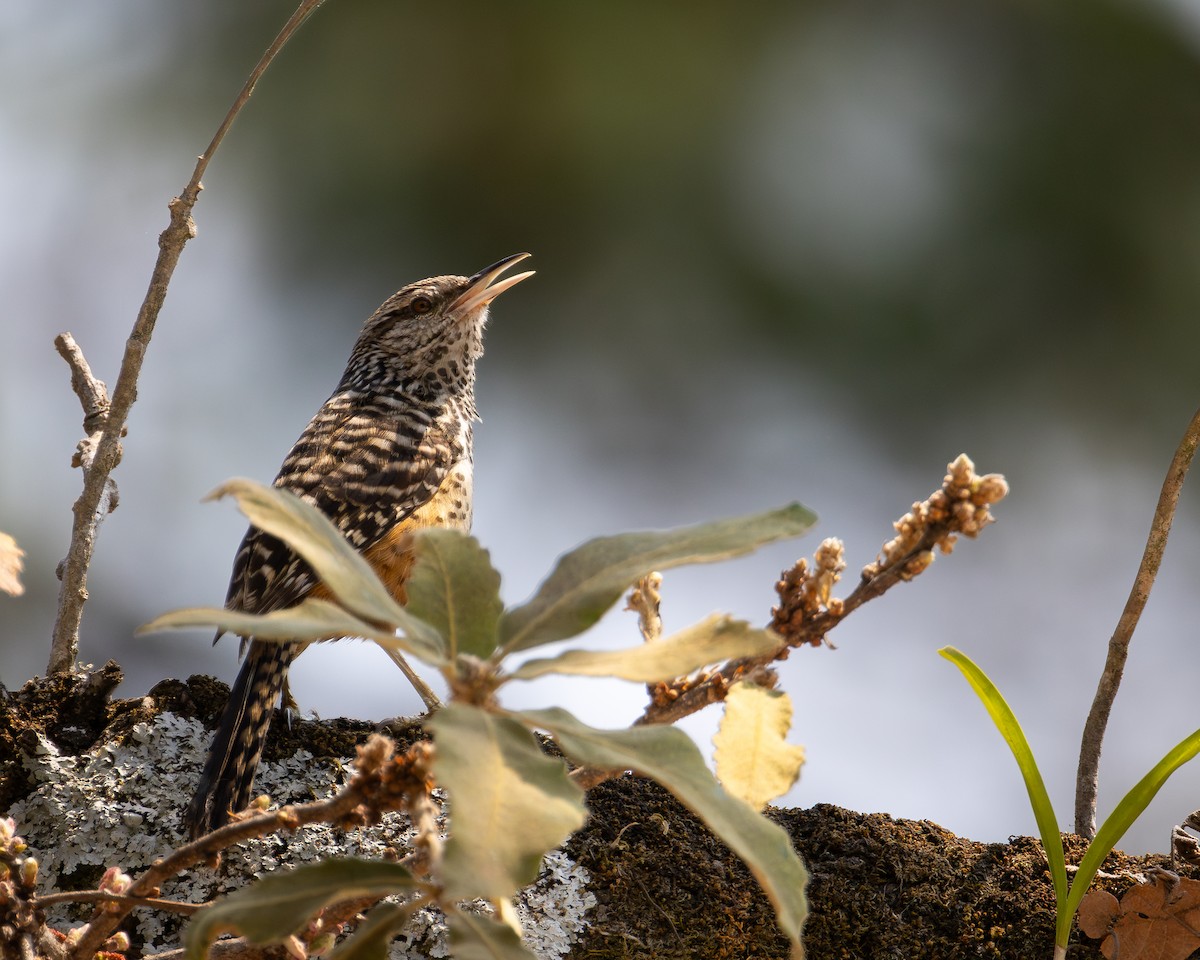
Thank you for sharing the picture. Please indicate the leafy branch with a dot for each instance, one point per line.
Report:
(486, 757)
(808, 611)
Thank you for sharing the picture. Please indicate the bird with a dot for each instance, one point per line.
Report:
(389, 453)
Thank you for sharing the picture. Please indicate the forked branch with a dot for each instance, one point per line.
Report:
(97, 498)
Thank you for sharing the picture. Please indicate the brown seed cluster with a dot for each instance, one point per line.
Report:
(664, 693)
(387, 782)
(960, 507)
(805, 593)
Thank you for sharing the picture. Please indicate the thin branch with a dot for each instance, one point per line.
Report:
(208, 848)
(382, 782)
(93, 397)
(1088, 775)
(808, 611)
(107, 896)
(92, 393)
(73, 592)
(240, 948)
(812, 631)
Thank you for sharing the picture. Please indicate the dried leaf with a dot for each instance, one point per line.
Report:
(754, 760)
(1098, 910)
(11, 566)
(1154, 921)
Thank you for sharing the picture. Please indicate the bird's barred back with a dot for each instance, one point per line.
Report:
(368, 464)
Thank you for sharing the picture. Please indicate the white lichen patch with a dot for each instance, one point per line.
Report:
(120, 805)
(552, 910)
(554, 907)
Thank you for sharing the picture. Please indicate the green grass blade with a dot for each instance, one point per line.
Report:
(1043, 811)
(1126, 812)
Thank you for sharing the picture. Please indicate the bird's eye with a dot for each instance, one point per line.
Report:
(421, 305)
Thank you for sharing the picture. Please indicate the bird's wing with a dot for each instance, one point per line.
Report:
(367, 467)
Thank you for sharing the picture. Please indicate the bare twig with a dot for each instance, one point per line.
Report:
(105, 896)
(87, 510)
(93, 397)
(1088, 775)
(239, 948)
(90, 391)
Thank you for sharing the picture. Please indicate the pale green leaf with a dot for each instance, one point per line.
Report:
(341, 568)
(592, 577)
(713, 640)
(312, 619)
(455, 589)
(281, 903)
(509, 803)
(475, 937)
(373, 937)
(1006, 722)
(754, 760)
(667, 755)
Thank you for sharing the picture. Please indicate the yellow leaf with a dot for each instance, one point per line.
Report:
(753, 759)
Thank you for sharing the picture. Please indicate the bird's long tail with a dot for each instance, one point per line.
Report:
(228, 775)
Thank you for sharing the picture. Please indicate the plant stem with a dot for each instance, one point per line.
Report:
(1087, 777)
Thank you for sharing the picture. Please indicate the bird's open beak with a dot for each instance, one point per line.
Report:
(480, 289)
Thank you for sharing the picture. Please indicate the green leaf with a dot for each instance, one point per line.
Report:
(667, 755)
(281, 903)
(754, 760)
(311, 619)
(713, 640)
(475, 937)
(1113, 828)
(509, 802)
(1043, 811)
(592, 577)
(313, 535)
(455, 588)
(375, 934)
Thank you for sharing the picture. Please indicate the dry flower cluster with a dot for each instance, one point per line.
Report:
(960, 507)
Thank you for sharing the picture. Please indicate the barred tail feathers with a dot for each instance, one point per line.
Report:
(228, 777)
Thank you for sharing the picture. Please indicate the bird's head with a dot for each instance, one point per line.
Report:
(432, 329)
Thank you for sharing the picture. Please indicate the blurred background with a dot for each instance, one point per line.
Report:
(785, 252)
